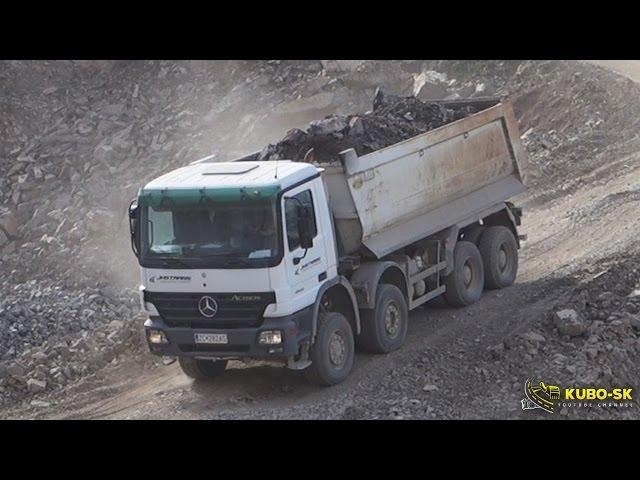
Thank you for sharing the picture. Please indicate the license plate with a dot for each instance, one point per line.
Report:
(209, 338)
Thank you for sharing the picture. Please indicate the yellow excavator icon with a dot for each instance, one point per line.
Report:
(551, 391)
(540, 396)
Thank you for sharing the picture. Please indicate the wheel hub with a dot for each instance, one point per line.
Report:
(467, 274)
(502, 259)
(337, 349)
(392, 320)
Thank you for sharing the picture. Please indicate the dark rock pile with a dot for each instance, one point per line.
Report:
(392, 120)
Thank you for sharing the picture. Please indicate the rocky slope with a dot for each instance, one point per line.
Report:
(79, 139)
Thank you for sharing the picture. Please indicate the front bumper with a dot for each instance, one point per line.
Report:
(242, 342)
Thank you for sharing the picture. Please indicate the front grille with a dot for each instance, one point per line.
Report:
(235, 310)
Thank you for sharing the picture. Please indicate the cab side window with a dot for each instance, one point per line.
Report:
(291, 217)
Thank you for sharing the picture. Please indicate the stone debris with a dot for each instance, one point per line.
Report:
(593, 335)
(533, 337)
(36, 386)
(568, 322)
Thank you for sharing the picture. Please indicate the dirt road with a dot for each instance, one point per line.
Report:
(443, 371)
(628, 68)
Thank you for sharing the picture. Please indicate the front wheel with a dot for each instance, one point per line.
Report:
(333, 351)
(202, 369)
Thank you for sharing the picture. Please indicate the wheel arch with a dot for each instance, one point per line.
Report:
(504, 218)
(341, 294)
(368, 276)
(505, 215)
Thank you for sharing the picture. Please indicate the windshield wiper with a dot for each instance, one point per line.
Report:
(170, 262)
(218, 254)
(237, 261)
(229, 261)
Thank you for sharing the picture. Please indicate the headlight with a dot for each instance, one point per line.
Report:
(156, 336)
(270, 337)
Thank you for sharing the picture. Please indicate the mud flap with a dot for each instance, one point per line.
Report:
(302, 361)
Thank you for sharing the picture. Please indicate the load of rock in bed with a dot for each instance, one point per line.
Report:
(392, 120)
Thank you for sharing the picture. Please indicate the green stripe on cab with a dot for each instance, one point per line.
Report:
(166, 197)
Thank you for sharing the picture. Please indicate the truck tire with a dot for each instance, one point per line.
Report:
(384, 328)
(332, 352)
(499, 251)
(466, 282)
(202, 369)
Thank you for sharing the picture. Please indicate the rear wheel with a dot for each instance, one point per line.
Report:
(332, 352)
(466, 282)
(384, 329)
(202, 369)
(499, 251)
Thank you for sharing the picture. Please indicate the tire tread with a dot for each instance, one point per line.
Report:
(453, 293)
(369, 339)
(489, 254)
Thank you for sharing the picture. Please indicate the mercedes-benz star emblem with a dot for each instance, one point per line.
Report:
(208, 307)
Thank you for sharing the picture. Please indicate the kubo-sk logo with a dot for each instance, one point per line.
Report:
(548, 397)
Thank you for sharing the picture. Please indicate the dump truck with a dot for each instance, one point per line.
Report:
(304, 263)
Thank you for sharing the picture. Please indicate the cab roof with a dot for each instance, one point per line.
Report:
(234, 174)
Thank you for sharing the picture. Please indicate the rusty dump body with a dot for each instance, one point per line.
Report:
(453, 175)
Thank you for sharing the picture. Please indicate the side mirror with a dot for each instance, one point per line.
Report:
(304, 226)
(133, 226)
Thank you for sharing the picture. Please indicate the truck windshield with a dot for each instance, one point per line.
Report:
(216, 234)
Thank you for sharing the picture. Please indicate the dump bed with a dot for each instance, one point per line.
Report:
(452, 175)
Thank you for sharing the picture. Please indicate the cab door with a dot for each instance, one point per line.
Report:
(306, 268)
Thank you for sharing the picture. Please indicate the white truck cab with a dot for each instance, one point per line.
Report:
(294, 261)
(233, 256)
